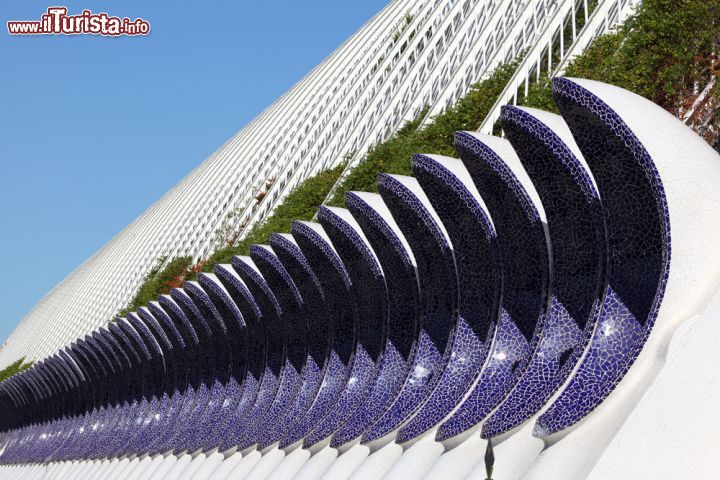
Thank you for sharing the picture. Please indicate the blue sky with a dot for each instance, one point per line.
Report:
(94, 129)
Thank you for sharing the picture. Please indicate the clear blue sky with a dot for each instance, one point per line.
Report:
(94, 129)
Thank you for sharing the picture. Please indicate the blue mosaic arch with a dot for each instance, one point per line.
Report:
(172, 344)
(171, 316)
(334, 279)
(638, 236)
(162, 408)
(230, 435)
(400, 350)
(52, 379)
(143, 402)
(518, 219)
(477, 261)
(290, 302)
(68, 403)
(130, 436)
(233, 334)
(319, 328)
(122, 418)
(438, 284)
(111, 418)
(576, 230)
(202, 380)
(69, 429)
(78, 440)
(369, 294)
(281, 376)
(122, 436)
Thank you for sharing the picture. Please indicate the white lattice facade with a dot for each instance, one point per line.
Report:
(411, 54)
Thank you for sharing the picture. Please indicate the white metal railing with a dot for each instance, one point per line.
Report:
(495, 29)
(606, 14)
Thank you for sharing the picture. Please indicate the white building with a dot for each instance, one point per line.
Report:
(412, 53)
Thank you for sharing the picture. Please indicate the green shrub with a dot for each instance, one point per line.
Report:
(660, 53)
(301, 204)
(15, 367)
(161, 279)
(394, 154)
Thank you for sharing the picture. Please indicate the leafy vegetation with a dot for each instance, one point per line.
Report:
(300, 204)
(161, 279)
(15, 367)
(394, 155)
(662, 52)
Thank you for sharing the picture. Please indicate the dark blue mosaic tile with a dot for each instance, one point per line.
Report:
(335, 283)
(638, 236)
(218, 377)
(577, 238)
(477, 260)
(295, 326)
(438, 301)
(236, 351)
(280, 374)
(319, 325)
(368, 294)
(202, 387)
(519, 224)
(400, 350)
(231, 434)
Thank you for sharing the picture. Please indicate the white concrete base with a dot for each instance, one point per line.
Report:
(460, 461)
(267, 463)
(97, 466)
(227, 465)
(50, 472)
(576, 455)
(116, 470)
(165, 467)
(417, 460)
(211, 463)
(673, 432)
(87, 470)
(142, 465)
(192, 467)
(513, 457)
(180, 465)
(66, 466)
(317, 465)
(82, 468)
(290, 465)
(346, 464)
(107, 469)
(378, 463)
(244, 466)
(157, 460)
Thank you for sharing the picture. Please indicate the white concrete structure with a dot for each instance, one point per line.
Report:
(412, 53)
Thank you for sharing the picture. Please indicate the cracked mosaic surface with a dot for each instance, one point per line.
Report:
(437, 279)
(638, 235)
(367, 294)
(341, 310)
(400, 276)
(577, 242)
(525, 276)
(477, 263)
